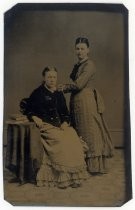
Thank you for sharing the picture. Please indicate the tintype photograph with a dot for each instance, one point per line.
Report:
(66, 129)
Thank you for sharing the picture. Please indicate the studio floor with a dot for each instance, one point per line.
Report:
(105, 190)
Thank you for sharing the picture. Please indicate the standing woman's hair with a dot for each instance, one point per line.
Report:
(82, 40)
(48, 68)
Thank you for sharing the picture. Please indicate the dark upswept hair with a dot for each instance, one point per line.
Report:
(82, 40)
(48, 68)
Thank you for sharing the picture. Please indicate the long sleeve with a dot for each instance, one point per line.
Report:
(62, 108)
(34, 100)
(28, 105)
(81, 81)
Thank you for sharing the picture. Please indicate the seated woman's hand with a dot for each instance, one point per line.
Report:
(64, 125)
(38, 121)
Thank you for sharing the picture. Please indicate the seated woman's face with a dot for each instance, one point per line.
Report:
(50, 79)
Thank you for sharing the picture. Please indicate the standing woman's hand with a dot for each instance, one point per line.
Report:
(60, 87)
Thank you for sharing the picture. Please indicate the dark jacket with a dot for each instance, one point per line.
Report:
(50, 107)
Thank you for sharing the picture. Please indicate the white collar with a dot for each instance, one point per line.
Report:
(52, 91)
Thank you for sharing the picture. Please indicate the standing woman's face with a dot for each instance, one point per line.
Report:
(81, 51)
(50, 79)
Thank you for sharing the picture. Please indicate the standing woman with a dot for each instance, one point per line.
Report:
(87, 107)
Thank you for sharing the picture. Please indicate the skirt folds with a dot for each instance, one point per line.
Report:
(64, 158)
(90, 124)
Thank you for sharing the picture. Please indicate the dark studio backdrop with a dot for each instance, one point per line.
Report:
(35, 38)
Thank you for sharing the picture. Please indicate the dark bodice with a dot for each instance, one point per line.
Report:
(83, 77)
(50, 107)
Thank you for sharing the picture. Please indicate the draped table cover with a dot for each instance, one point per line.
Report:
(24, 150)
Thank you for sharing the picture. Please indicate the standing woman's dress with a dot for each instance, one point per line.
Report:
(64, 159)
(87, 107)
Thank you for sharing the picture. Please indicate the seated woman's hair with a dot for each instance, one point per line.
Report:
(82, 40)
(48, 68)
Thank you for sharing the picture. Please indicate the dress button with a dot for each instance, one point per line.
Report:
(51, 118)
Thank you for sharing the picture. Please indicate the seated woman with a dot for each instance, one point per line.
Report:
(63, 162)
